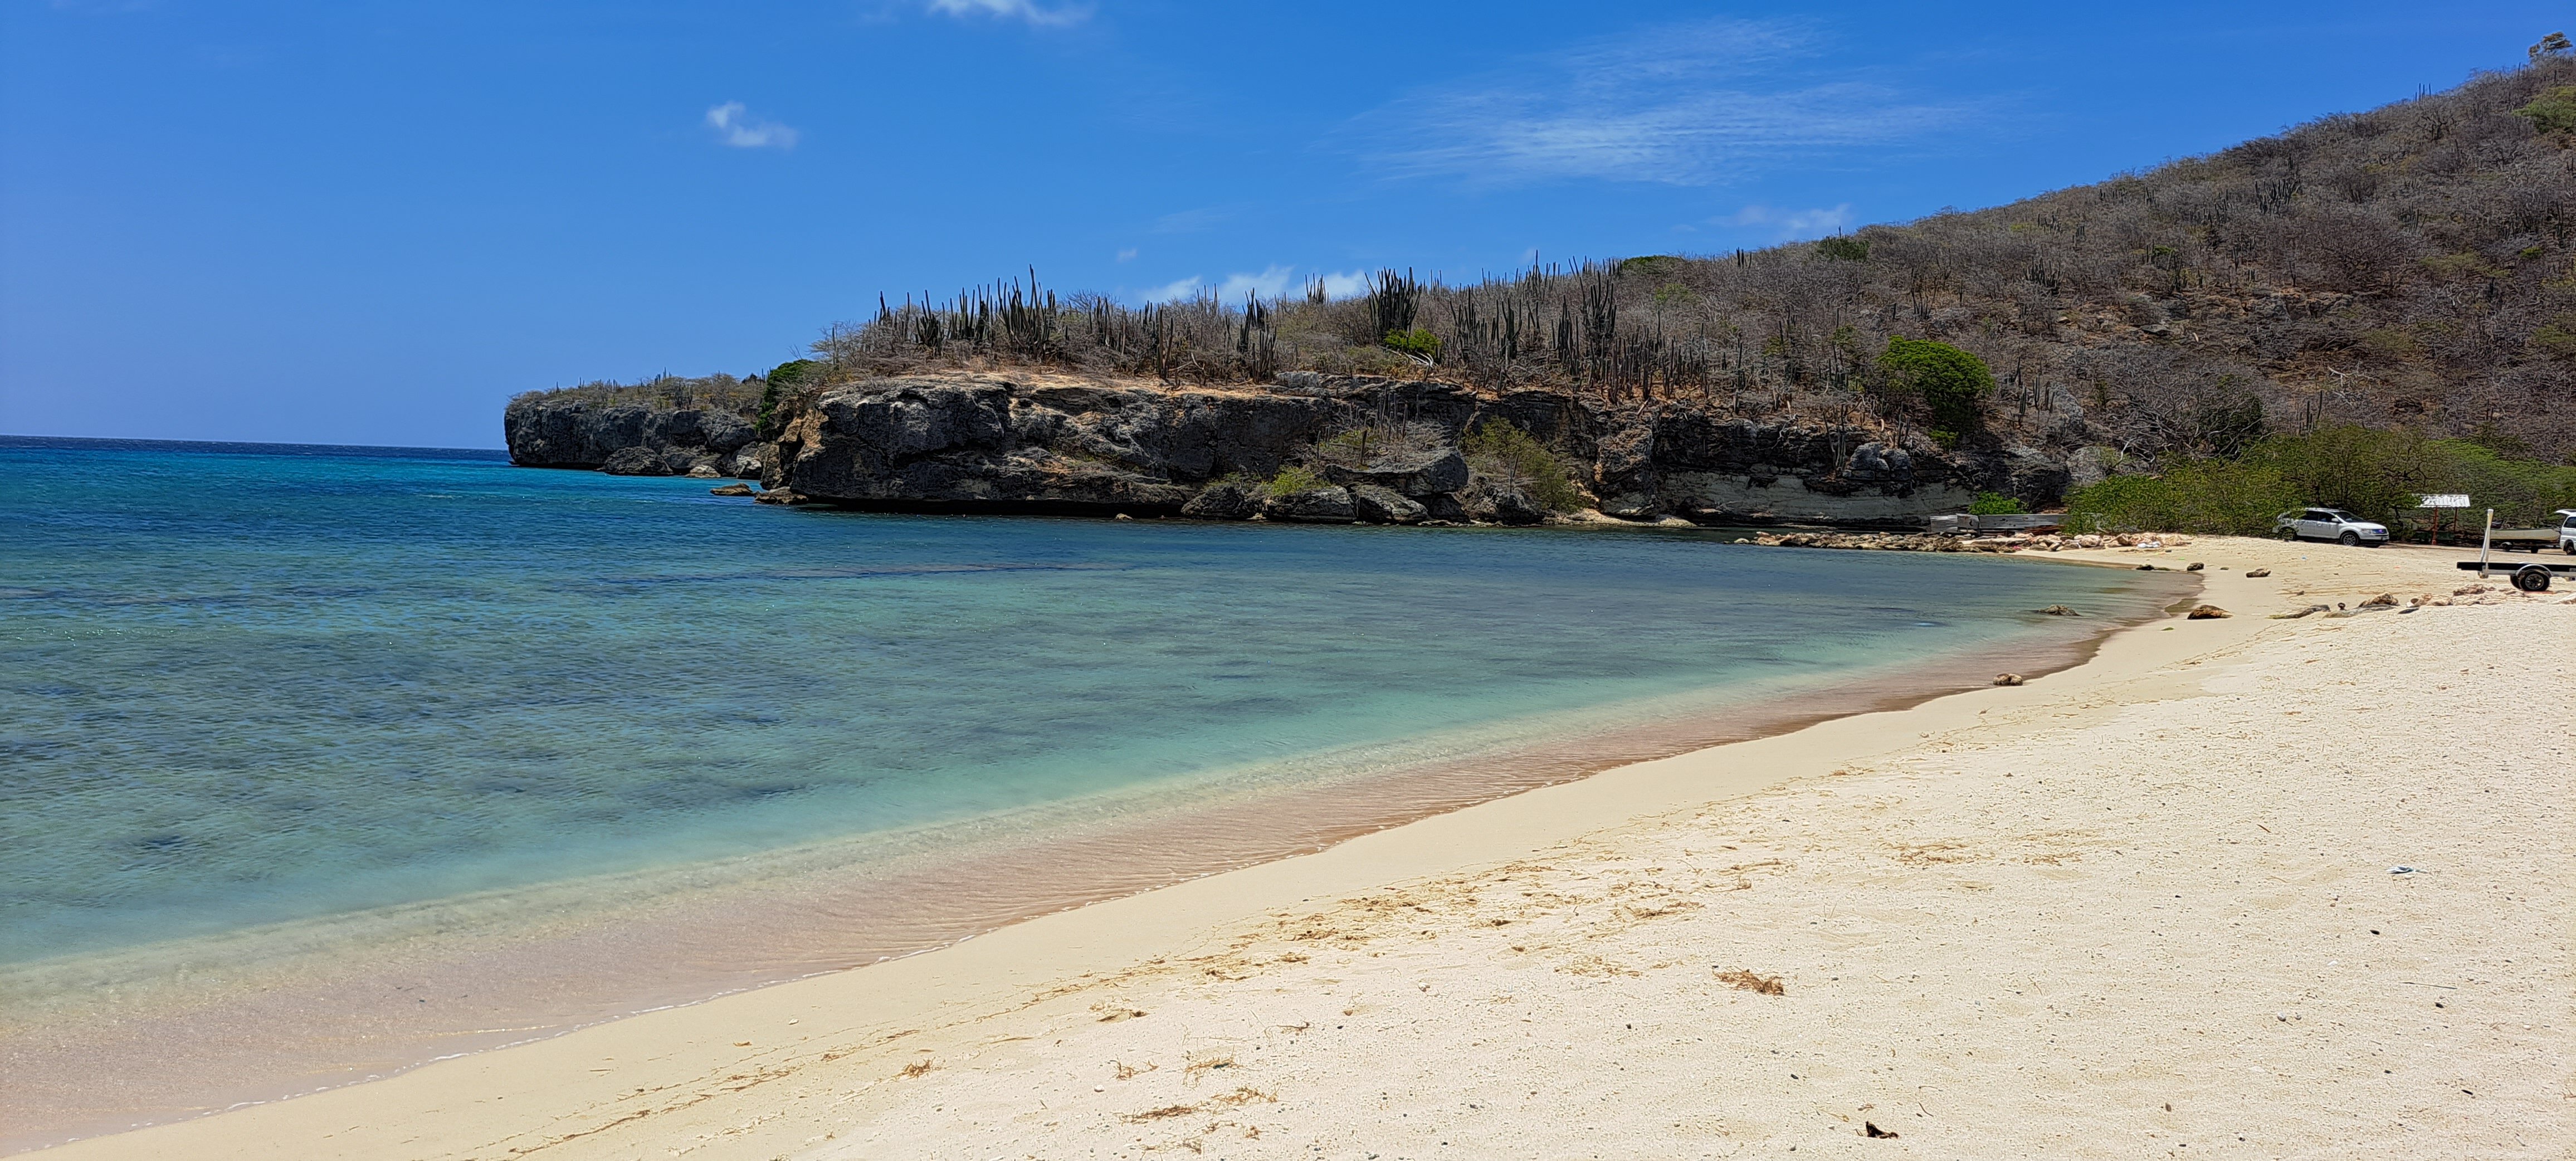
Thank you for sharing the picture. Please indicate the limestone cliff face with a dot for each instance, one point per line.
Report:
(629, 439)
(1011, 443)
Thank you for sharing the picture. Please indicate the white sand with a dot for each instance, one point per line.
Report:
(2140, 908)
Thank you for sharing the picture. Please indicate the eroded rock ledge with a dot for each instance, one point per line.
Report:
(630, 439)
(1376, 450)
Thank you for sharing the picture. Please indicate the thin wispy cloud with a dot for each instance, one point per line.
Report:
(1270, 283)
(1351, 284)
(735, 126)
(1274, 281)
(1036, 15)
(1789, 225)
(1688, 104)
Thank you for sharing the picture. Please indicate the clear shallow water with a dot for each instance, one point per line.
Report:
(244, 685)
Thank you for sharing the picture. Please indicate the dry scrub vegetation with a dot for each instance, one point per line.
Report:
(2407, 266)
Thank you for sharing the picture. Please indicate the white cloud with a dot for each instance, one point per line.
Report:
(1127, 255)
(1270, 283)
(1274, 281)
(1351, 284)
(1014, 10)
(1683, 104)
(1792, 224)
(735, 126)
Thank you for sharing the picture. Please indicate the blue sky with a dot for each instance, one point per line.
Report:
(373, 222)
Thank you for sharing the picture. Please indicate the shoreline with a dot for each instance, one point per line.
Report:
(1992, 959)
(330, 1000)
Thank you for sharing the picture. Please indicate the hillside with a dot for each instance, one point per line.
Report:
(2409, 266)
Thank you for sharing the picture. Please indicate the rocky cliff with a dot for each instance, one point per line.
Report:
(1340, 449)
(630, 439)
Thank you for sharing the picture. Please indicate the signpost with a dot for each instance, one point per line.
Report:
(2438, 501)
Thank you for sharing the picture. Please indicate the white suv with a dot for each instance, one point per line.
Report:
(2329, 524)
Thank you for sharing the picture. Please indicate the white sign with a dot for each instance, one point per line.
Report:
(2445, 500)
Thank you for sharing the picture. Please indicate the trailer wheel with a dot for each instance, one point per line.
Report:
(2532, 578)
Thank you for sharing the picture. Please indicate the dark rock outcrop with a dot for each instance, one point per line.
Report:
(1225, 500)
(1385, 505)
(1031, 443)
(629, 439)
(1407, 472)
(642, 461)
(1326, 505)
(1495, 502)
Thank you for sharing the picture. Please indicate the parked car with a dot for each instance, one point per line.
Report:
(2329, 524)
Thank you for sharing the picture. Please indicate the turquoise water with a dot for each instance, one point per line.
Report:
(247, 684)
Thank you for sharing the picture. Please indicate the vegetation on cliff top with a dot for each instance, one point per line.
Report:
(2358, 309)
(2411, 266)
(667, 392)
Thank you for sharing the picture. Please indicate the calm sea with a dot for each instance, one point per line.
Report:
(249, 689)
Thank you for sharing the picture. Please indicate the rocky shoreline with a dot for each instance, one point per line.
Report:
(1308, 449)
(1326, 449)
(1938, 542)
(545, 431)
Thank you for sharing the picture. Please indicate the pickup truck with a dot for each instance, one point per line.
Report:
(2561, 537)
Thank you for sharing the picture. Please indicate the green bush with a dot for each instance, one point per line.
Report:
(2214, 496)
(1995, 504)
(1293, 479)
(1947, 381)
(782, 381)
(1499, 450)
(1843, 248)
(2376, 475)
(2553, 112)
(1417, 342)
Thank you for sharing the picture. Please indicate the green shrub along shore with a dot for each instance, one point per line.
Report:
(2377, 474)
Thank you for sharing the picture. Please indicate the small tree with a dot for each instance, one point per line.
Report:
(1499, 449)
(2553, 112)
(1947, 382)
(1844, 247)
(783, 380)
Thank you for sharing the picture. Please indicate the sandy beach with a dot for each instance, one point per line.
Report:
(2241, 887)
